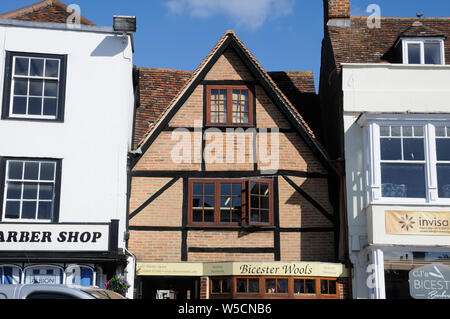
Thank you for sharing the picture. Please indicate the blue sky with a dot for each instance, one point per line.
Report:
(282, 34)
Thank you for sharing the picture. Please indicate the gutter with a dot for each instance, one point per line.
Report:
(57, 26)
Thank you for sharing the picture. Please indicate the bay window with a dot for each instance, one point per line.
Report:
(407, 161)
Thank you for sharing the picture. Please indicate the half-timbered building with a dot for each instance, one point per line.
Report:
(229, 193)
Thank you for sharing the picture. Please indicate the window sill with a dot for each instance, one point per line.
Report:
(409, 202)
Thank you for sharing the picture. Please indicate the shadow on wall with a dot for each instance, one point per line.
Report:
(110, 46)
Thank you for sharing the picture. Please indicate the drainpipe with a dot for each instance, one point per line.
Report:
(339, 164)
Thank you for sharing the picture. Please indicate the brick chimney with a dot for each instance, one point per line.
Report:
(336, 10)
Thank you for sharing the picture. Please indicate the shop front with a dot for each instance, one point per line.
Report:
(242, 280)
(409, 254)
(72, 254)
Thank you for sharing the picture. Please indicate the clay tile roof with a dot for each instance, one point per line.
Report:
(417, 29)
(157, 88)
(53, 11)
(361, 44)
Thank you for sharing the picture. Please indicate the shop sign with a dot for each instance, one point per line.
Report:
(430, 282)
(417, 223)
(54, 237)
(297, 269)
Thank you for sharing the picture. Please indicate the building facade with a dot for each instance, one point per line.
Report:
(66, 127)
(229, 192)
(386, 83)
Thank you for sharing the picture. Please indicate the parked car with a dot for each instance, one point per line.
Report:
(35, 291)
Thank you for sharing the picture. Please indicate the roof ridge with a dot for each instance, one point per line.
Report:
(404, 18)
(293, 72)
(163, 69)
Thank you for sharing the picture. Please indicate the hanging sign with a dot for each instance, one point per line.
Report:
(430, 282)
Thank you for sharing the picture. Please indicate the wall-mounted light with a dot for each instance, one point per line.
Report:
(124, 24)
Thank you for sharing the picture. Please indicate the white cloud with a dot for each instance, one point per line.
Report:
(247, 13)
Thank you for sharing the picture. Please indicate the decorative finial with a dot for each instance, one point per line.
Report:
(51, 2)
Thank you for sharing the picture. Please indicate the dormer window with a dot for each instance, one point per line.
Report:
(423, 51)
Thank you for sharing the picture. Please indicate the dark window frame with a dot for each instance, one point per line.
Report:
(229, 105)
(56, 206)
(7, 86)
(264, 294)
(245, 202)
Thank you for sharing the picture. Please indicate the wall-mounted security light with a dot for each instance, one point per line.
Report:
(124, 24)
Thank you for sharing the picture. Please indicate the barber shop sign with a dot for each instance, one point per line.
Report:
(430, 282)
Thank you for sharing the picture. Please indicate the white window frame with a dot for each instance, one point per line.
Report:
(421, 42)
(372, 157)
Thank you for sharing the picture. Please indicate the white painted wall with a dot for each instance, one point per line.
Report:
(383, 88)
(96, 134)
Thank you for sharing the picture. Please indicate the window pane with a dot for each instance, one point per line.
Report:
(14, 191)
(443, 175)
(198, 189)
(21, 66)
(264, 216)
(52, 68)
(418, 131)
(29, 210)
(47, 171)
(414, 53)
(332, 287)
(440, 131)
(197, 216)
(226, 286)
(396, 131)
(237, 203)
(407, 131)
(225, 216)
(37, 67)
(36, 87)
(45, 210)
(225, 189)
(208, 201)
(385, 131)
(46, 191)
(432, 53)
(197, 201)
(391, 149)
(215, 286)
(31, 171)
(299, 286)
(236, 216)
(310, 286)
(35, 106)
(443, 149)
(271, 286)
(225, 201)
(403, 180)
(241, 285)
(265, 202)
(264, 189)
(209, 216)
(413, 149)
(30, 191)
(282, 286)
(19, 106)
(324, 286)
(254, 188)
(51, 88)
(209, 189)
(253, 285)
(12, 210)
(20, 87)
(15, 170)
